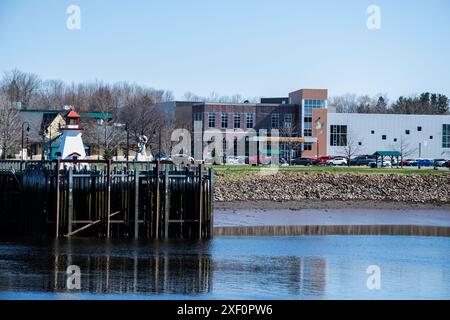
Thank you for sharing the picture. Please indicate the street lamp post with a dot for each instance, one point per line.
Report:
(127, 129)
(319, 131)
(28, 130)
(420, 152)
(159, 142)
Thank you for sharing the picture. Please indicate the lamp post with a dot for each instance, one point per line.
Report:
(319, 131)
(127, 129)
(420, 152)
(159, 142)
(28, 130)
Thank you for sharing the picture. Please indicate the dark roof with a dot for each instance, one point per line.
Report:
(387, 153)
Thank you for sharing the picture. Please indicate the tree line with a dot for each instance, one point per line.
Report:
(424, 103)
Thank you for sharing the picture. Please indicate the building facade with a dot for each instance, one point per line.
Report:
(308, 128)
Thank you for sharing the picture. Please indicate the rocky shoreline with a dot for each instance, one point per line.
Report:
(325, 186)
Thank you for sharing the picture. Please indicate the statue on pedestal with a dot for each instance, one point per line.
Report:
(141, 155)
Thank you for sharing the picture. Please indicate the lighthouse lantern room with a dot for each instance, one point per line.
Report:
(72, 147)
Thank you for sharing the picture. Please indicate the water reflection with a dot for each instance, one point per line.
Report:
(301, 267)
(152, 268)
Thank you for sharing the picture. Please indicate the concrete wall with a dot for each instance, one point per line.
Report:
(360, 127)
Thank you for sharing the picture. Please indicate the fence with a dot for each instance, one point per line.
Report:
(105, 199)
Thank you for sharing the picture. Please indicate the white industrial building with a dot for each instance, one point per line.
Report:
(388, 132)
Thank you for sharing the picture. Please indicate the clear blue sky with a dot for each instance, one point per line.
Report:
(252, 47)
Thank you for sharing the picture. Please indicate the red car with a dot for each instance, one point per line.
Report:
(321, 160)
(447, 164)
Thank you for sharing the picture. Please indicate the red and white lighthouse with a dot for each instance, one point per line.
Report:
(71, 146)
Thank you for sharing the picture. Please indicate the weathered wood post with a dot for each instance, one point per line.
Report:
(57, 196)
(158, 200)
(200, 200)
(211, 202)
(136, 204)
(70, 213)
(166, 202)
(108, 199)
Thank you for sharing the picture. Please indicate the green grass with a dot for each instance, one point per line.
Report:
(246, 169)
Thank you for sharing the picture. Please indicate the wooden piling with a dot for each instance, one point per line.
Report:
(136, 204)
(166, 202)
(108, 198)
(57, 197)
(70, 208)
(200, 200)
(157, 200)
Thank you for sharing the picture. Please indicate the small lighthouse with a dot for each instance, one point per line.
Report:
(71, 146)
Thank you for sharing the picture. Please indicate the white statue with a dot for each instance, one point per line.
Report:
(141, 155)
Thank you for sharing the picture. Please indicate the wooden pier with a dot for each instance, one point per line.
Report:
(108, 199)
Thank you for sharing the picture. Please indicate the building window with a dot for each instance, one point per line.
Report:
(431, 137)
(372, 132)
(395, 139)
(197, 116)
(383, 137)
(224, 146)
(307, 132)
(237, 120)
(406, 131)
(307, 146)
(224, 120)
(275, 120)
(338, 135)
(446, 136)
(235, 147)
(211, 119)
(360, 143)
(249, 120)
(419, 128)
(288, 120)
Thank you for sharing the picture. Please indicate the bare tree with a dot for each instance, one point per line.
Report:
(20, 87)
(10, 126)
(290, 132)
(405, 149)
(350, 147)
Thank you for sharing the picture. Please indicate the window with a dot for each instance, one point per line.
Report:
(211, 119)
(235, 147)
(224, 120)
(383, 137)
(237, 120)
(372, 132)
(275, 120)
(287, 120)
(307, 146)
(249, 120)
(307, 132)
(431, 137)
(338, 135)
(406, 131)
(419, 128)
(395, 139)
(360, 143)
(198, 116)
(446, 136)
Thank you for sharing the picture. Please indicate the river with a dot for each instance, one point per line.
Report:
(288, 267)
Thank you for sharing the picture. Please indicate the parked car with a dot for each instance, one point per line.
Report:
(321, 160)
(440, 162)
(362, 160)
(161, 156)
(424, 163)
(379, 164)
(447, 164)
(181, 158)
(302, 161)
(409, 162)
(337, 161)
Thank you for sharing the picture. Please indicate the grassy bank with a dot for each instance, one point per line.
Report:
(246, 169)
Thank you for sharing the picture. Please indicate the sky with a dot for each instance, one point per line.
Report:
(258, 48)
